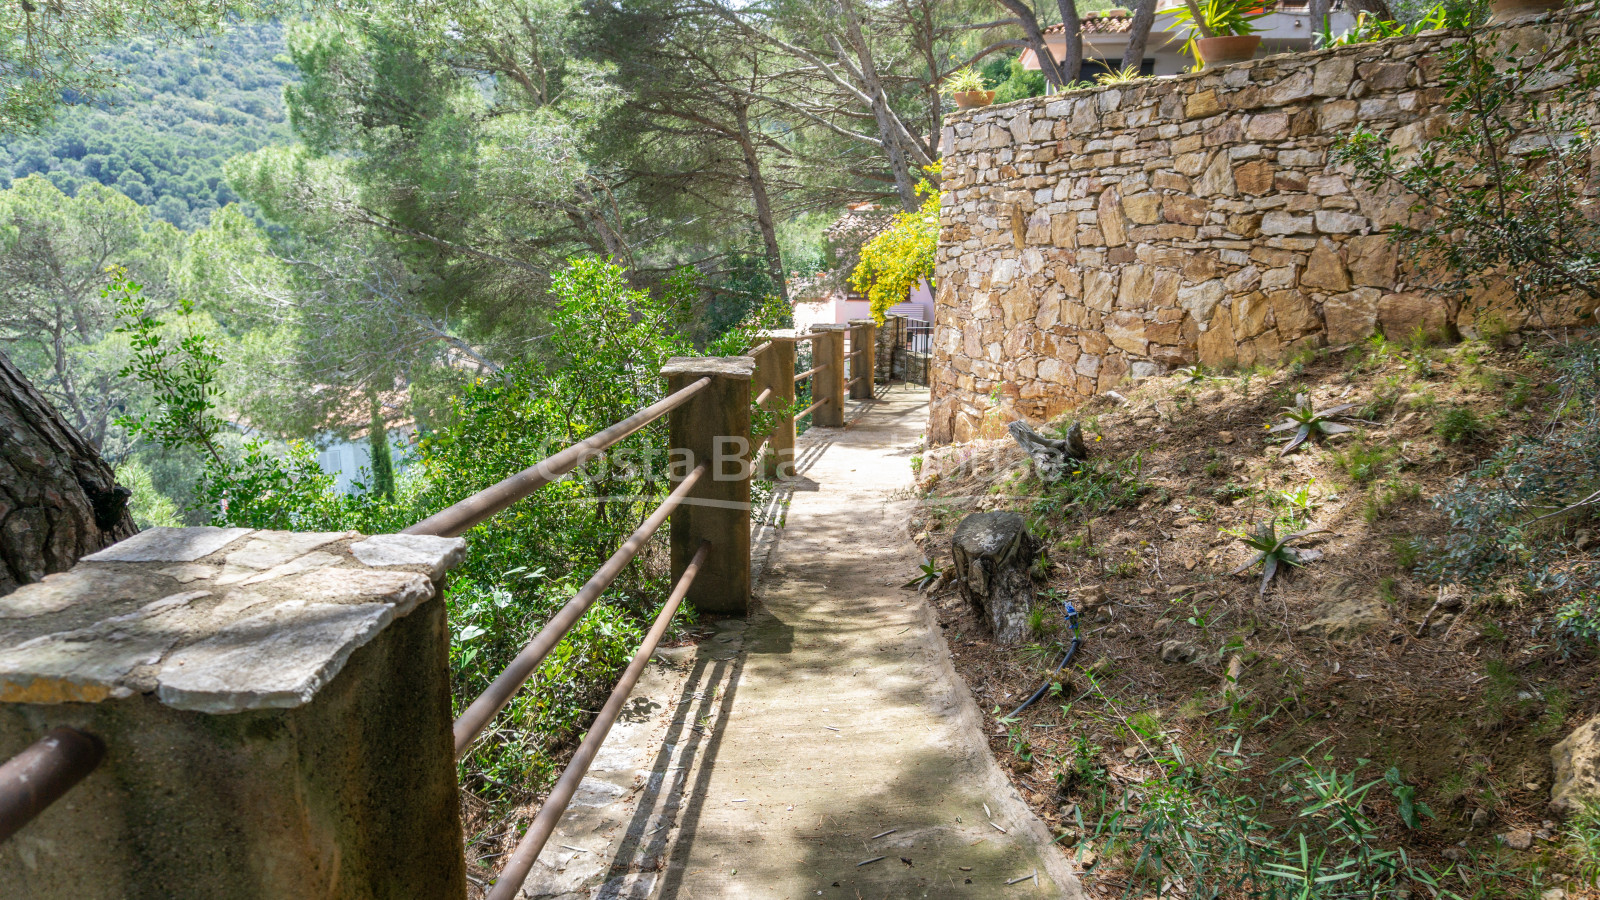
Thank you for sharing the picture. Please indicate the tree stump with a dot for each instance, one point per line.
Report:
(993, 552)
(58, 499)
(1052, 458)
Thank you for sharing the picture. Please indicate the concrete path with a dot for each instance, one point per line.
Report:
(824, 747)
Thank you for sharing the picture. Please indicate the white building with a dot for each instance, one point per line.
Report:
(1287, 29)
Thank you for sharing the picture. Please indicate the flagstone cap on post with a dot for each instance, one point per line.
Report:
(214, 620)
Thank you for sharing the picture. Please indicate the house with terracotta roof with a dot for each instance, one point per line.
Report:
(1287, 29)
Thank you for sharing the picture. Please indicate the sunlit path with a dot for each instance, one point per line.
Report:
(823, 747)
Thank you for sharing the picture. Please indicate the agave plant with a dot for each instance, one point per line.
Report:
(1273, 552)
(930, 575)
(1306, 420)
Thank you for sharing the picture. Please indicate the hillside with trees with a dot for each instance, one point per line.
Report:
(183, 110)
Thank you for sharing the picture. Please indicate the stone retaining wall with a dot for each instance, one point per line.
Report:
(1122, 231)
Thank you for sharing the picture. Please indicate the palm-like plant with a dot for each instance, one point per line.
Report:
(1306, 420)
(1273, 552)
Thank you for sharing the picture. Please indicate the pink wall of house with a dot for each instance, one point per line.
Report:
(839, 309)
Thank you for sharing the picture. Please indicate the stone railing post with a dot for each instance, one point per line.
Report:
(828, 384)
(714, 427)
(275, 709)
(775, 372)
(863, 358)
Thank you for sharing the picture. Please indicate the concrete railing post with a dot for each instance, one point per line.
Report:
(275, 709)
(775, 372)
(828, 384)
(713, 427)
(863, 358)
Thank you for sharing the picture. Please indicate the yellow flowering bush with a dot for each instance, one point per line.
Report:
(892, 263)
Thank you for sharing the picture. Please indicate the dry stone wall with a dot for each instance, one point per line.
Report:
(1120, 232)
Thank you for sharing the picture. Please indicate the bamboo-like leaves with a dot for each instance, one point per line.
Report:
(1272, 551)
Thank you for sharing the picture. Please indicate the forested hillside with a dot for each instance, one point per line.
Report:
(184, 110)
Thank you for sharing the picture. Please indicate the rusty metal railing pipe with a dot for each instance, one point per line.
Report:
(509, 884)
(456, 520)
(482, 711)
(811, 407)
(808, 373)
(40, 774)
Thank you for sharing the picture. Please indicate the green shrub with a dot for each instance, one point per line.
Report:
(1507, 515)
(1460, 423)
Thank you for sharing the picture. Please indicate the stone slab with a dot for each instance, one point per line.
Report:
(65, 590)
(435, 555)
(275, 660)
(162, 544)
(743, 367)
(266, 620)
(274, 548)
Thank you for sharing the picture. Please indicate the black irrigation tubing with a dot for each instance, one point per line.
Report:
(1070, 612)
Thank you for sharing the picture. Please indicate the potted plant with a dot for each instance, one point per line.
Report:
(1221, 31)
(965, 87)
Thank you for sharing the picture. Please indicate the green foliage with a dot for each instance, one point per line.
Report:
(1365, 460)
(962, 80)
(1583, 841)
(55, 320)
(182, 110)
(1223, 18)
(1311, 839)
(1095, 487)
(63, 52)
(899, 257)
(1369, 27)
(1507, 516)
(1305, 420)
(150, 508)
(1272, 551)
(1499, 191)
(489, 623)
(930, 573)
(1407, 806)
(1014, 82)
(1460, 423)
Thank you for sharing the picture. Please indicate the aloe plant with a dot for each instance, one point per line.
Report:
(1273, 552)
(930, 575)
(1306, 420)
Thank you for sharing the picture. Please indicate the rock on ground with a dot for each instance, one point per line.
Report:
(1576, 761)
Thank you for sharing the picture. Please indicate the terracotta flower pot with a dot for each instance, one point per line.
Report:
(1503, 11)
(972, 99)
(1220, 51)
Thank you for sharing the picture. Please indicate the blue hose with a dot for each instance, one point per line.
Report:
(1070, 613)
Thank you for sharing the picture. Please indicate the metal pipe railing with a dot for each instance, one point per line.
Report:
(758, 349)
(478, 715)
(40, 774)
(509, 883)
(808, 373)
(810, 408)
(461, 517)
(762, 397)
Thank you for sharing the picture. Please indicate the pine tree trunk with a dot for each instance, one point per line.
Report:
(58, 499)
